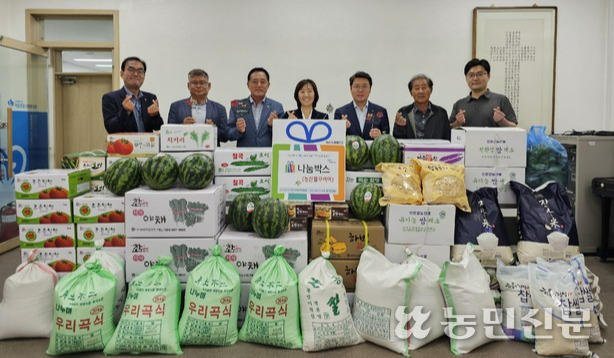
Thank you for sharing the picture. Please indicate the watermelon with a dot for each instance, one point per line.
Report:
(270, 218)
(241, 211)
(385, 149)
(364, 201)
(356, 152)
(196, 171)
(123, 175)
(160, 171)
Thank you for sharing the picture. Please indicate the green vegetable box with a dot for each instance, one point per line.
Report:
(52, 183)
(142, 253)
(243, 161)
(175, 212)
(260, 185)
(247, 251)
(182, 138)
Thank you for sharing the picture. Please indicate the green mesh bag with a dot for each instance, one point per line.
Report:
(83, 311)
(151, 313)
(211, 303)
(272, 316)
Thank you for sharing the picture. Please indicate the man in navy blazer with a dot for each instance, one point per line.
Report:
(129, 109)
(251, 119)
(198, 108)
(362, 117)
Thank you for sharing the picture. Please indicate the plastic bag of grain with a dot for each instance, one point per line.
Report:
(151, 313)
(546, 223)
(272, 316)
(516, 301)
(400, 183)
(28, 299)
(324, 304)
(117, 266)
(484, 228)
(443, 183)
(381, 302)
(583, 290)
(83, 311)
(554, 295)
(426, 294)
(471, 311)
(211, 305)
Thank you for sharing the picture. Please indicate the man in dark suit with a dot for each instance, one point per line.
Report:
(198, 108)
(251, 119)
(421, 119)
(362, 117)
(129, 109)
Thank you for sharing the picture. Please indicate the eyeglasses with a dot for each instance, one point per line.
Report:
(133, 71)
(360, 87)
(477, 74)
(200, 83)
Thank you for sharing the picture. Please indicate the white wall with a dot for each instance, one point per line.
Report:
(329, 40)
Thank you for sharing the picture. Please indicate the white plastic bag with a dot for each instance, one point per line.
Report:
(383, 291)
(117, 266)
(515, 301)
(326, 318)
(26, 309)
(426, 293)
(554, 295)
(466, 289)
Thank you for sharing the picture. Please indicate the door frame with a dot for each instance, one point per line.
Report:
(30, 49)
(34, 35)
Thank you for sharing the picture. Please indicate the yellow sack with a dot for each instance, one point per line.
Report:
(400, 183)
(443, 183)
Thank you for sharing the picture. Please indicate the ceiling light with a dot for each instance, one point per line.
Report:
(102, 65)
(92, 59)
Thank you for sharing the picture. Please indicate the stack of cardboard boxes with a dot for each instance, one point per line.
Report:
(244, 170)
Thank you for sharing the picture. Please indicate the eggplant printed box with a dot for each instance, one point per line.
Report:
(133, 144)
(247, 251)
(436, 253)
(84, 253)
(451, 153)
(243, 161)
(44, 211)
(187, 253)
(492, 147)
(46, 236)
(175, 212)
(420, 224)
(353, 178)
(183, 138)
(234, 186)
(113, 234)
(102, 208)
(62, 259)
(499, 178)
(52, 183)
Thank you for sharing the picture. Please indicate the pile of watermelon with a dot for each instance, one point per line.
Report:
(267, 217)
(364, 201)
(159, 172)
(385, 149)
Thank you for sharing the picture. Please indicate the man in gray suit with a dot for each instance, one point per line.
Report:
(251, 119)
(198, 108)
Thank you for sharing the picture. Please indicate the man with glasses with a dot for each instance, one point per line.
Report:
(363, 118)
(129, 109)
(251, 119)
(198, 108)
(482, 108)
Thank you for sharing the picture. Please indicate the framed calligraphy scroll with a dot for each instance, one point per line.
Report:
(520, 45)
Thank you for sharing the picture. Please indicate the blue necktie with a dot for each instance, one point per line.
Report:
(137, 114)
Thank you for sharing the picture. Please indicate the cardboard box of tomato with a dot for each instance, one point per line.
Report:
(46, 236)
(49, 211)
(61, 259)
(52, 183)
(133, 144)
(98, 208)
(113, 234)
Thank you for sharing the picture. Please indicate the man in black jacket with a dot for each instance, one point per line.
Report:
(129, 109)
(421, 119)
